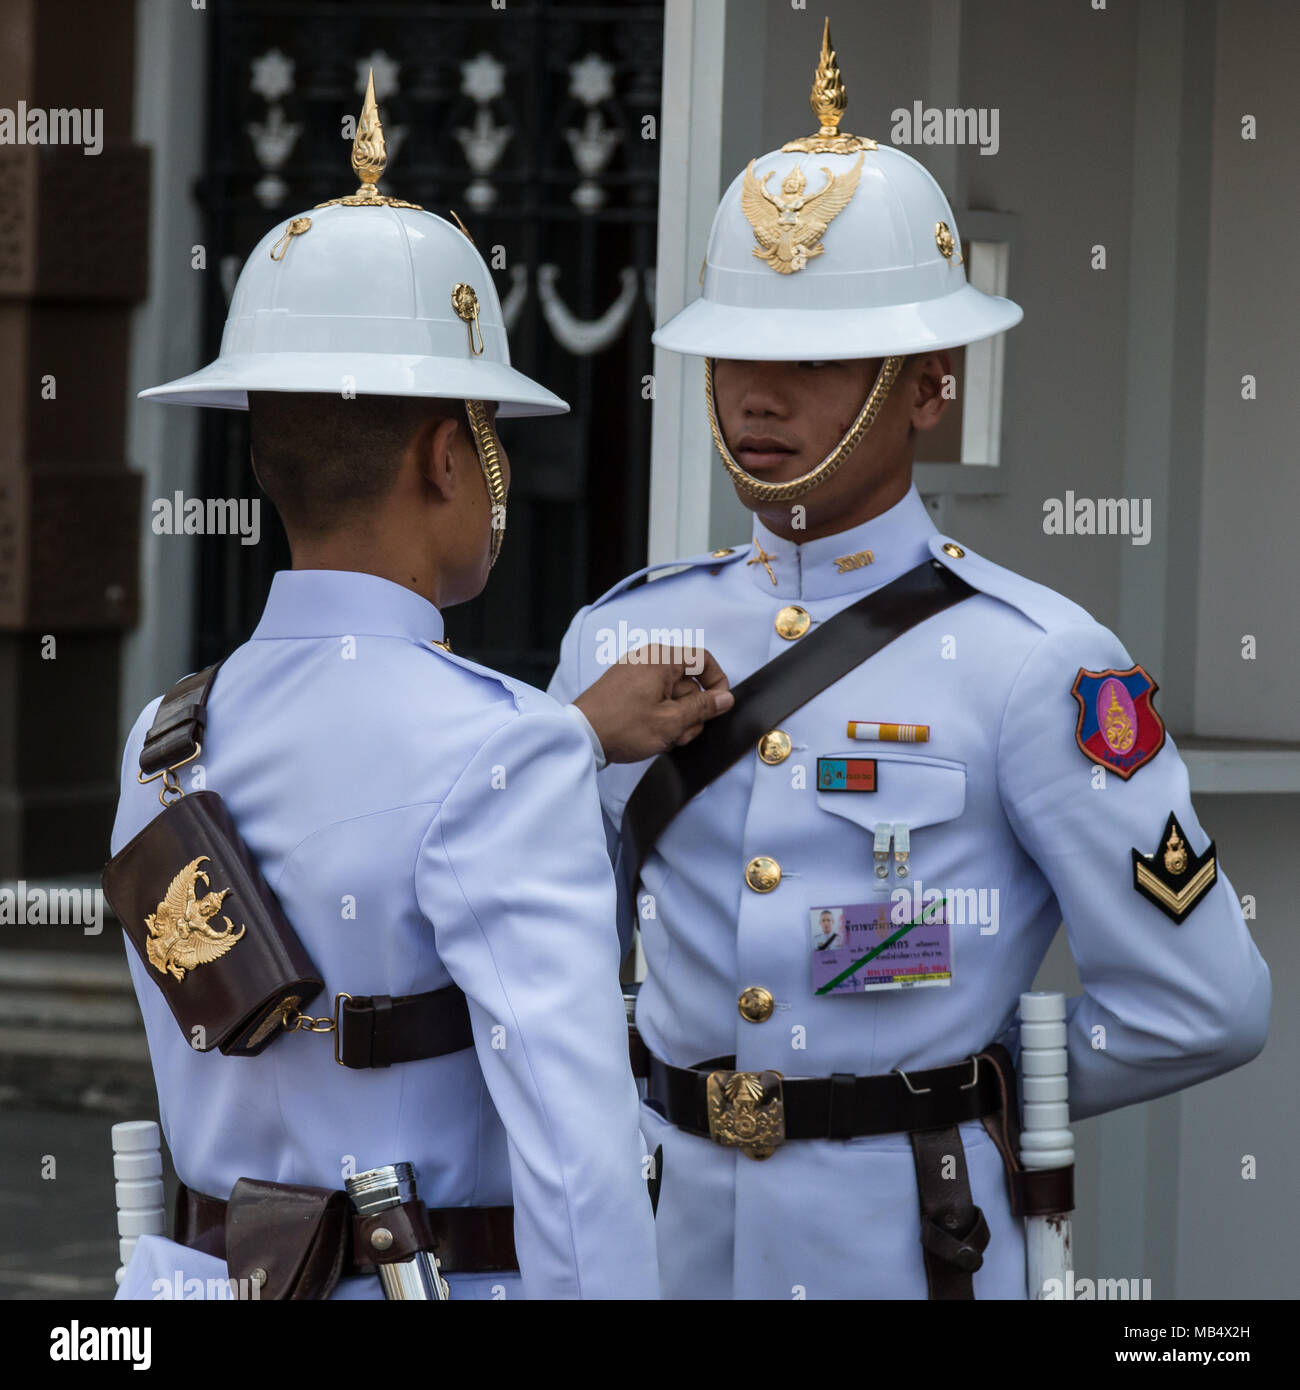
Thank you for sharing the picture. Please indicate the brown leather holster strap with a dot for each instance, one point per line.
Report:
(467, 1240)
(177, 728)
(305, 1238)
(408, 1231)
(1033, 1191)
(954, 1233)
(378, 1030)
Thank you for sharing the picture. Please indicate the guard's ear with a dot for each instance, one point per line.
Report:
(930, 373)
(434, 446)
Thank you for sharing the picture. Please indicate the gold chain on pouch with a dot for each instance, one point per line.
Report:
(797, 487)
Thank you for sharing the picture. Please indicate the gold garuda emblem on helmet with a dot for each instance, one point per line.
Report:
(789, 228)
(179, 936)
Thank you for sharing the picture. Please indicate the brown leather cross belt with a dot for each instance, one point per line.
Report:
(378, 1030)
(466, 1240)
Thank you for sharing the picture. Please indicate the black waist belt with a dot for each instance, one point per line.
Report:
(378, 1030)
(841, 1106)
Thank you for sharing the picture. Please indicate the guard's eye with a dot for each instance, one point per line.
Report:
(814, 364)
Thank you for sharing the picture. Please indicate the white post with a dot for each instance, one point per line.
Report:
(1046, 1140)
(690, 179)
(137, 1166)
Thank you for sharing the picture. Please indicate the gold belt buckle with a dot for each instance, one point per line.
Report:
(747, 1111)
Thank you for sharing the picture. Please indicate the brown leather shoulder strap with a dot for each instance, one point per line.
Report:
(177, 728)
(776, 690)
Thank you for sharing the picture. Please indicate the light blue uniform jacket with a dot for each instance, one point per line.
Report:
(422, 820)
(1001, 800)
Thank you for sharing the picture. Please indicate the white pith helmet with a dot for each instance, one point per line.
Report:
(833, 247)
(366, 294)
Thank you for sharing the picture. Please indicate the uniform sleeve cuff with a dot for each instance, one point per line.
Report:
(591, 735)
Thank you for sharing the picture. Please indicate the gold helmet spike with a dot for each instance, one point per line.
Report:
(369, 159)
(828, 100)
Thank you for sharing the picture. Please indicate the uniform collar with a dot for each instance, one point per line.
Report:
(852, 561)
(334, 603)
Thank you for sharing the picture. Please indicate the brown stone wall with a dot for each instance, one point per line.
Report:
(73, 263)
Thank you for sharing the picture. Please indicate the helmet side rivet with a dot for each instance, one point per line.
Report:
(465, 303)
(946, 242)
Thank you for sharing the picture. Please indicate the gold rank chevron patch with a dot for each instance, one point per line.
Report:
(1173, 877)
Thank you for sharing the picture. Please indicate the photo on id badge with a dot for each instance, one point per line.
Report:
(861, 947)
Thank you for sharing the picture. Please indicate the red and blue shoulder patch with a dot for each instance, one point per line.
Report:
(1118, 726)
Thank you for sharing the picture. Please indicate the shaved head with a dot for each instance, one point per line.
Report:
(324, 459)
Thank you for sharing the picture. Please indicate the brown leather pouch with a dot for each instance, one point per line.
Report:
(289, 1242)
(208, 928)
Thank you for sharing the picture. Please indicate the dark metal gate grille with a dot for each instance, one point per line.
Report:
(578, 501)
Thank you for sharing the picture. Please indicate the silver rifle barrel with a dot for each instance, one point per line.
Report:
(375, 1191)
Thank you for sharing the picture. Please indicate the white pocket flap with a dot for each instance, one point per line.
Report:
(912, 790)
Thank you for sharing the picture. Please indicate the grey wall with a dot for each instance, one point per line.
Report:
(1250, 487)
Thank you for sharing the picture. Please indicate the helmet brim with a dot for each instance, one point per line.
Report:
(706, 329)
(225, 383)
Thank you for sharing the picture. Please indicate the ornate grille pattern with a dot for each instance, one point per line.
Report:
(537, 123)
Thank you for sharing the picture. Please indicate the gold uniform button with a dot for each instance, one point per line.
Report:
(774, 747)
(726, 550)
(954, 550)
(756, 1004)
(762, 874)
(792, 622)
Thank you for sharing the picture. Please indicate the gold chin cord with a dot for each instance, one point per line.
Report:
(797, 487)
(489, 457)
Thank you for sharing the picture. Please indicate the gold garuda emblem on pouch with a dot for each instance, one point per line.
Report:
(180, 938)
(789, 227)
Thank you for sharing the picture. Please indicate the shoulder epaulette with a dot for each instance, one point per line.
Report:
(1041, 605)
(725, 556)
(515, 690)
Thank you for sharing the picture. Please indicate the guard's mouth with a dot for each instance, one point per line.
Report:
(757, 453)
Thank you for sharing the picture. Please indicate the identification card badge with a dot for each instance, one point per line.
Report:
(861, 948)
